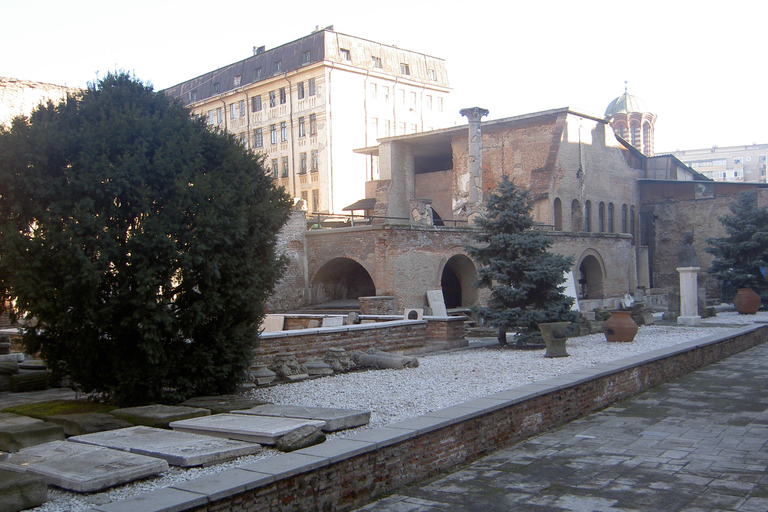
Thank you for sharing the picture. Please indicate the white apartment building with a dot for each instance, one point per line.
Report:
(307, 104)
(731, 163)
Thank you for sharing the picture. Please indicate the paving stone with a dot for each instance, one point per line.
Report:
(223, 403)
(86, 423)
(82, 468)
(17, 432)
(158, 415)
(178, 448)
(335, 419)
(244, 427)
(19, 491)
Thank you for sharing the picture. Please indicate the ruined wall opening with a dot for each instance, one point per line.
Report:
(558, 214)
(457, 281)
(591, 278)
(576, 215)
(341, 279)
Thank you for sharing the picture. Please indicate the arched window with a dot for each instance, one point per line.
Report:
(647, 139)
(610, 217)
(575, 215)
(635, 135)
(558, 217)
(632, 223)
(601, 217)
(623, 218)
(587, 215)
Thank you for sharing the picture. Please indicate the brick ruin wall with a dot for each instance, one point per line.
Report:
(20, 97)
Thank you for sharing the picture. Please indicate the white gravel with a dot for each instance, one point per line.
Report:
(440, 380)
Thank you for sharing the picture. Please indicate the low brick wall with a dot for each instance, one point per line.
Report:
(345, 474)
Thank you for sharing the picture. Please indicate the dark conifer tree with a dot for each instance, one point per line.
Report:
(142, 243)
(524, 278)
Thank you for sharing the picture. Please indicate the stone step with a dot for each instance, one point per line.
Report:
(19, 491)
(335, 419)
(158, 415)
(18, 432)
(243, 427)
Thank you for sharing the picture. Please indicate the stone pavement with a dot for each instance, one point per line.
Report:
(696, 444)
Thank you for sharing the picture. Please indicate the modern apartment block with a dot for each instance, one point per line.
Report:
(731, 163)
(307, 104)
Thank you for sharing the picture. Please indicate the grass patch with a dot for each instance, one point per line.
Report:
(53, 407)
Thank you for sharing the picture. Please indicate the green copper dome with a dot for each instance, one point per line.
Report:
(625, 104)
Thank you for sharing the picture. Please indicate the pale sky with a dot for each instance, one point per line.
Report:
(700, 65)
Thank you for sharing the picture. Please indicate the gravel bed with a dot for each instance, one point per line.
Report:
(441, 380)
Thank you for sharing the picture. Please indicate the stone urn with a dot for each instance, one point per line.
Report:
(620, 326)
(554, 337)
(746, 301)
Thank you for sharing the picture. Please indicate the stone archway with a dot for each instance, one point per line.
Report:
(458, 282)
(591, 276)
(341, 279)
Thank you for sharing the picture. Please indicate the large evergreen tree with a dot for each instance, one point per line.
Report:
(525, 280)
(741, 256)
(141, 243)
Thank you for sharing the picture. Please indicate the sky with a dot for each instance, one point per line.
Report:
(700, 66)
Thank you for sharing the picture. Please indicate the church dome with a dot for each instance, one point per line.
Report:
(625, 104)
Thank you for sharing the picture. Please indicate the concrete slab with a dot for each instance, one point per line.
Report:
(82, 468)
(243, 427)
(222, 404)
(178, 448)
(19, 491)
(17, 432)
(335, 419)
(158, 415)
(86, 423)
(437, 303)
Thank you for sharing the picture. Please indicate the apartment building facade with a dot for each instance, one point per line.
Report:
(307, 104)
(741, 164)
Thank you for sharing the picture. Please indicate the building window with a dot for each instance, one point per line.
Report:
(387, 128)
(429, 102)
(400, 129)
(236, 81)
(304, 197)
(414, 128)
(211, 117)
(243, 139)
(303, 163)
(374, 91)
(314, 163)
(256, 103)
(256, 74)
(315, 200)
(431, 74)
(215, 88)
(274, 168)
(241, 106)
(377, 62)
(440, 104)
(385, 93)
(402, 96)
(345, 54)
(273, 134)
(632, 223)
(258, 138)
(311, 86)
(277, 66)
(282, 95)
(610, 217)
(272, 99)
(587, 215)
(283, 132)
(623, 218)
(233, 110)
(302, 129)
(738, 160)
(601, 217)
(306, 57)
(405, 68)
(413, 100)
(300, 90)
(313, 124)
(285, 167)
(219, 115)
(193, 95)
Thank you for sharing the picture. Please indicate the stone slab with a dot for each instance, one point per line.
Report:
(82, 468)
(158, 415)
(17, 432)
(243, 427)
(335, 419)
(15, 356)
(437, 302)
(86, 423)
(223, 403)
(333, 321)
(177, 448)
(19, 491)
(273, 323)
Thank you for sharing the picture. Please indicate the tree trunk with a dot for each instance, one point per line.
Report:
(502, 337)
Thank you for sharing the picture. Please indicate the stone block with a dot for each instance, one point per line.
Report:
(223, 403)
(17, 432)
(19, 491)
(86, 423)
(177, 448)
(335, 419)
(243, 427)
(158, 415)
(302, 437)
(437, 303)
(82, 468)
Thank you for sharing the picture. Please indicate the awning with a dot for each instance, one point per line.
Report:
(363, 204)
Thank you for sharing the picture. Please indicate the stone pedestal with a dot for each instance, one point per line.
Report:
(689, 307)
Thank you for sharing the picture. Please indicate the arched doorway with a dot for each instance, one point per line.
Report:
(590, 278)
(457, 281)
(341, 279)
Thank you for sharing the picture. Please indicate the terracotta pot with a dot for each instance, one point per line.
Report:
(747, 302)
(620, 326)
(554, 337)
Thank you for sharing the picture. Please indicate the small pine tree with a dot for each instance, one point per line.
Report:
(743, 253)
(525, 280)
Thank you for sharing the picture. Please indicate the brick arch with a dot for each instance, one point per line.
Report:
(456, 276)
(341, 278)
(591, 275)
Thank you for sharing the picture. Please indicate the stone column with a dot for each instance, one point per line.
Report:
(475, 160)
(689, 306)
